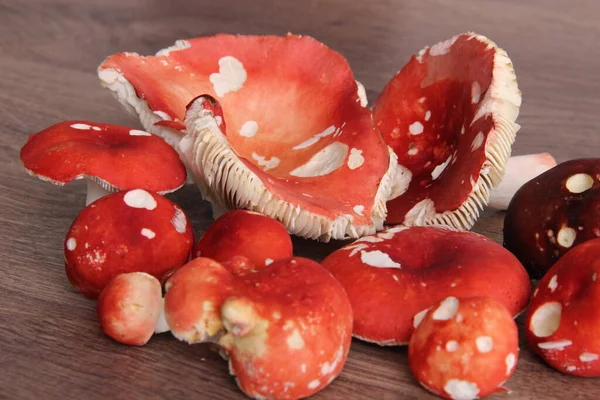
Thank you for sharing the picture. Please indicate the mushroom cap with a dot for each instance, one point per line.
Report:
(117, 157)
(553, 213)
(129, 308)
(299, 145)
(259, 238)
(133, 231)
(292, 309)
(393, 276)
(449, 115)
(464, 348)
(563, 318)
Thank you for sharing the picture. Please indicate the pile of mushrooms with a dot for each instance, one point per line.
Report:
(282, 146)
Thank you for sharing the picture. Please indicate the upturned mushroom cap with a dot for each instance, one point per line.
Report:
(259, 238)
(293, 141)
(129, 308)
(563, 318)
(286, 328)
(133, 231)
(392, 277)
(449, 116)
(464, 348)
(553, 213)
(116, 157)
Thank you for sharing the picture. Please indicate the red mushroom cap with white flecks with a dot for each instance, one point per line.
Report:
(464, 348)
(553, 213)
(245, 233)
(449, 116)
(133, 231)
(563, 318)
(292, 309)
(392, 277)
(309, 156)
(129, 308)
(116, 157)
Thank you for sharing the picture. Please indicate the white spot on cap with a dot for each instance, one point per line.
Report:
(555, 345)
(137, 132)
(546, 319)
(462, 130)
(268, 261)
(179, 220)
(71, 244)
(478, 141)
(475, 92)
(83, 127)
(355, 159)
(588, 357)
(179, 45)
(309, 142)
(362, 94)
(314, 384)
(324, 162)
(378, 259)
(327, 367)
(418, 318)
(579, 183)
(446, 310)
(139, 198)
(416, 128)
(96, 128)
(437, 171)
(271, 163)
(484, 344)
(249, 129)
(422, 100)
(566, 236)
(230, 78)
(413, 151)
(451, 346)
(427, 115)
(553, 284)
(148, 233)
(295, 341)
(303, 368)
(461, 390)
(359, 209)
(571, 368)
(163, 115)
(594, 276)
(511, 360)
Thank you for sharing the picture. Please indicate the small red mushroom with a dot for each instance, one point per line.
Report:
(133, 231)
(553, 213)
(392, 277)
(130, 307)
(563, 319)
(292, 309)
(111, 158)
(257, 237)
(464, 348)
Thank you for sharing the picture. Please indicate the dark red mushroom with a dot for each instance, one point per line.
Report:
(563, 319)
(449, 115)
(393, 277)
(133, 231)
(553, 213)
(111, 157)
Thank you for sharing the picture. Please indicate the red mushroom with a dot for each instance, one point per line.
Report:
(245, 233)
(292, 309)
(563, 319)
(552, 213)
(309, 156)
(449, 116)
(134, 231)
(111, 157)
(130, 307)
(391, 278)
(464, 348)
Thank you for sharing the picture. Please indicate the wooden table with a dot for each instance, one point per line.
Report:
(51, 344)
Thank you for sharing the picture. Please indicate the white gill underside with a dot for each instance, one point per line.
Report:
(227, 183)
(502, 101)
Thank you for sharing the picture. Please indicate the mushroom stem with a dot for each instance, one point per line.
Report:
(94, 192)
(239, 316)
(519, 170)
(161, 324)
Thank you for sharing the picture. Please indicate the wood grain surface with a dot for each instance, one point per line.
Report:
(51, 344)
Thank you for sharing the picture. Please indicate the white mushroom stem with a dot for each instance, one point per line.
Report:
(94, 192)
(519, 170)
(161, 324)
